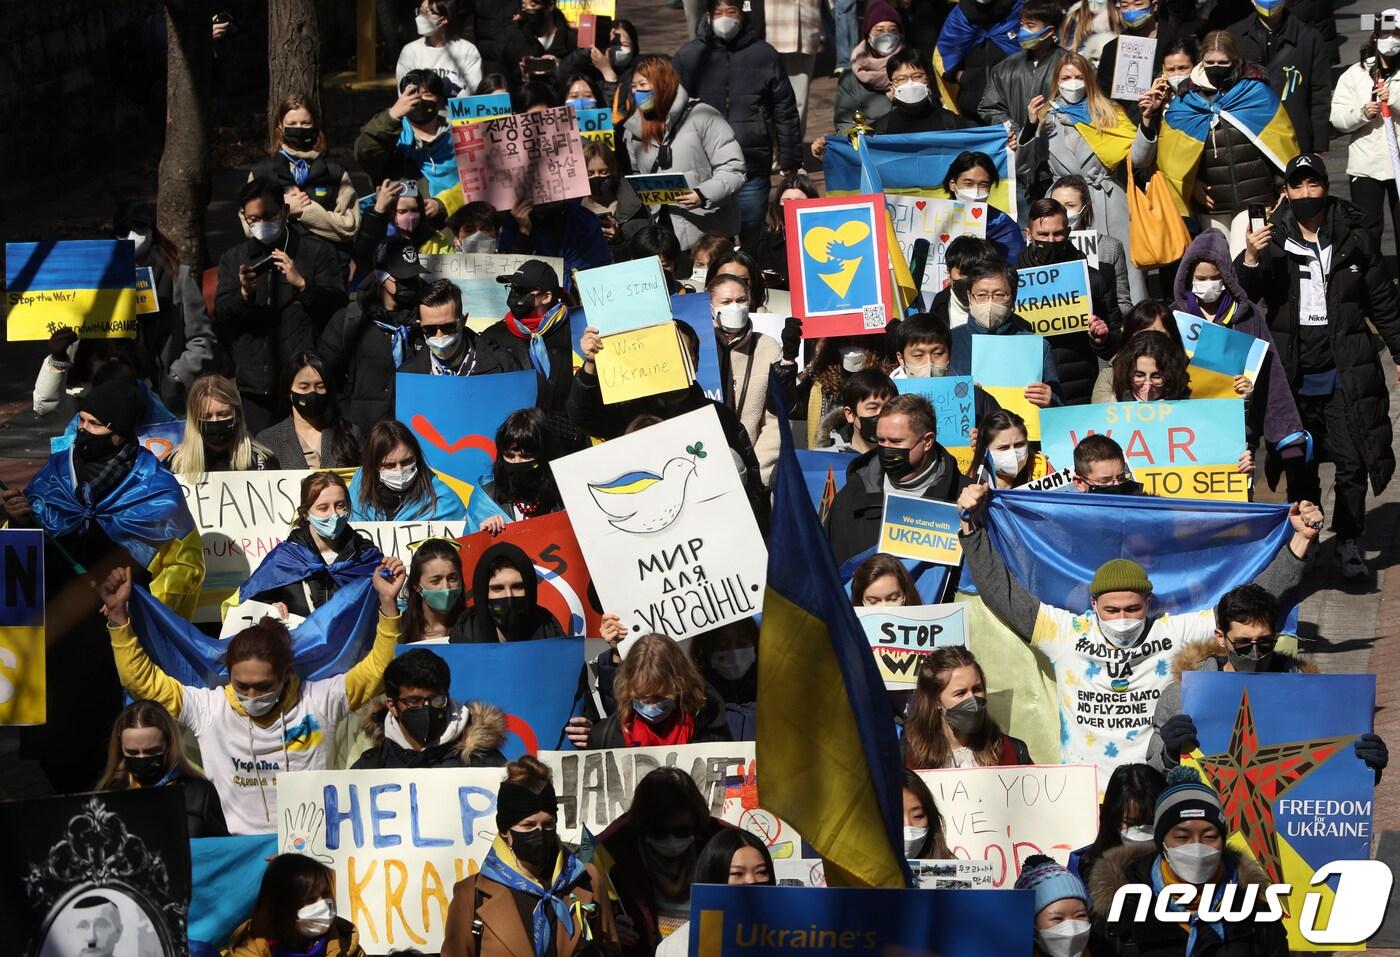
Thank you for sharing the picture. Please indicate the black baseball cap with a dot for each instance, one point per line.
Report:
(400, 259)
(532, 274)
(1304, 166)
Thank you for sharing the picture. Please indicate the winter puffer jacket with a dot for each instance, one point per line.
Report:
(1367, 152)
(1237, 172)
(478, 745)
(1298, 65)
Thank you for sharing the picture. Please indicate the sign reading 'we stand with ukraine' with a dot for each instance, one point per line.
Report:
(924, 530)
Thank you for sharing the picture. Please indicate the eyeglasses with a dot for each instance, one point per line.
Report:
(1001, 295)
(1156, 378)
(413, 702)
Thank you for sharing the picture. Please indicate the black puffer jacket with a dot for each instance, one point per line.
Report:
(853, 523)
(744, 79)
(359, 357)
(1298, 63)
(1358, 288)
(1237, 171)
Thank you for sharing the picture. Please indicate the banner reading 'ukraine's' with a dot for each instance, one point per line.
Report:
(22, 683)
(87, 284)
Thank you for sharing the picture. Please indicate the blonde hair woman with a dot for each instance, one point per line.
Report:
(216, 438)
(661, 700)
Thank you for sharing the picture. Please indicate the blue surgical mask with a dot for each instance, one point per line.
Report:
(328, 528)
(580, 103)
(1028, 38)
(652, 713)
(642, 98)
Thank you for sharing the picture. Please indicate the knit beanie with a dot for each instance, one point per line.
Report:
(1050, 882)
(1186, 798)
(879, 12)
(1120, 574)
(516, 802)
(118, 404)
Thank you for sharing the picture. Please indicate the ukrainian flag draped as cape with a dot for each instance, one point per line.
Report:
(290, 562)
(1111, 146)
(1249, 105)
(825, 737)
(958, 37)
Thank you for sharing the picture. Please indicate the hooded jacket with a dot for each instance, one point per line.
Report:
(1358, 288)
(853, 523)
(477, 626)
(1270, 411)
(480, 730)
(1298, 63)
(744, 79)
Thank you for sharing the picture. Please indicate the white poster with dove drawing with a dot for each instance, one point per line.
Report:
(665, 527)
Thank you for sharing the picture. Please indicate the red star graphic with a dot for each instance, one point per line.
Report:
(1250, 778)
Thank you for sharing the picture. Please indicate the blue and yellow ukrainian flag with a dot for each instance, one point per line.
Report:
(905, 290)
(915, 164)
(22, 644)
(826, 743)
(958, 36)
(87, 284)
(1250, 106)
(1110, 145)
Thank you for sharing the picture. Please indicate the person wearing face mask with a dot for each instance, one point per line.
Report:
(661, 699)
(948, 725)
(420, 726)
(746, 359)
(532, 895)
(1088, 651)
(411, 141)
(1062, 925)
(441, 49)
(970, 178)
(1313, 271)
(1124, 277)
(1028, 73)
(906, 459)
(917, 108)
(216, 438)
(522, 483)
(534, 334)
(541, 30)
(732, 856)
(1246, 641)
(266, 716)
(1178, 60)
(1001, 455)
(315, 435)
(820, 387)
(474, 228)
(1356, 112)
(505, 601)
(320, 195)
(729, 63)
(709, 250)
(452, 347)
(395, 484)
(727, 658)
(1100, 467)
(397, 212)
(1188, 847)
(865, 87)
(294, 915)
(275, 292)
(613, 65)
(1298, 64)
(1125, 817)
(923, 825)
(1150, 315)
(1147, 19)
(146, 751)
(977, 36)
(850, 426)
(991, 293)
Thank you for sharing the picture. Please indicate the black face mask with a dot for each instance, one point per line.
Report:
(1218, 75)
(219, 432)
(603, 189)
(507, 613)
(537, 850)
(867, 425)
(521, 302)
(1122, 488)
(426, 724)
(521, 476)
(1307, 207)
(534, 22)
(894, 461)
(1251, 663)
(406, 294)
(93, 448)
(311, 405)
(1044, 253)
(423, 112)
(147, 769)
(301, 138)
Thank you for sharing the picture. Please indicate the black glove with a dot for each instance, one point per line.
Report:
(1371, 749)
(59, 342)
(792, 338)
(1178, 737)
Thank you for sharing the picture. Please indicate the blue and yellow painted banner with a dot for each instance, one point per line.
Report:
(462, 110)
(1004, 366)
(921, 529)
(86, 284)
(1187, 449)
(1218, 354)
(955, 405)
(22, 674)
(455, 418)
(756, 921)
(917, 163)
(1055, 299)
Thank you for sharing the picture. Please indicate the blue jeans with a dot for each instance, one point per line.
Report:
(847, 31)
(753, 204)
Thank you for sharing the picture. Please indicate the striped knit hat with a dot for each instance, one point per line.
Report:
(1050, 882)
(1186, 798)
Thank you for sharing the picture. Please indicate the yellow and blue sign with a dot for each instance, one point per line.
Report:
(86, 284)
(659, 189)
(1187, 449)
(455, 418)
(838, 259)
(22, 669)
(596, 125)
(147, 301)
(1218, 354)
(476, 109)
(1004, 366)
(757, 921)
(955, 405)
(921, 529)
(1054, 299)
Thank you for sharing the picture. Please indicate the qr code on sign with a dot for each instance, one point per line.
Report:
(874, 316)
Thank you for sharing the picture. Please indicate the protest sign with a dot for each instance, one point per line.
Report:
(241, 516)
(1055, 299)
(825, 475)
(1063, 479)
(839, 264)
(753, 921)
(1006, 814)
(113, 868)
(1188, 449)
(1279, 749)
(596, 125)
(564, 586)
(573, 10)
(902, 637)
(660, 189)
(1004, 366)
(483, 298)
(1133, 69)
(397, 841)
(22, 643)
(955, 405)
(952, 874)
(524, 156)
(474, 109)
(939, 221)
(624, 296)
(694, 311)
(84, 284)
(455, 418)
(1218, 354)
(643, 362)
(914, 527)
(147, 301)
(1087, 242)
(664, 513)
(533, 682)
(224, 876)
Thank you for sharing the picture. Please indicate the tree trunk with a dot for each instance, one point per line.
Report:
(293, 55)
(184, 161)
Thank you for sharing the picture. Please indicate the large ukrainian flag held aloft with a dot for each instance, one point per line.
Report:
(825, 742)
(917, 163)
(88, 285)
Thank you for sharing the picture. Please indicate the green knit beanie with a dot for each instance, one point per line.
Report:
(1120, 574)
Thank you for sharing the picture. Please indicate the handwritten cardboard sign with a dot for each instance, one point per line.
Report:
(1218, 354)
(474, 109)
(660, 189)
(954, 403)
(531, 156)
(643, 362)
(483, 298)
(939, 221)
(624, 296)
(1132, 70)
(85, 284)
(596, 125)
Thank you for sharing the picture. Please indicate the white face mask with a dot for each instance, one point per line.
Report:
(1388, 46)
(957, 312)
(425, 24)
(1208, 290)
(1008, 462)
(315, 918)
(266, 232)
(442, 346)
(1193, 863)
(1073, 216)
(972, 195)
(885, 44)
(911, 92)
(1068, 938)
(1177, 80)
(853, 358)
(1141, 834)
(914, 838)
(260, 705)
(479, 243)
(142, 241)
(1123, 632)
(734, 663)
(1072, 91)
(724, 27)
(989, 315)
(400, 479)
(733, 315)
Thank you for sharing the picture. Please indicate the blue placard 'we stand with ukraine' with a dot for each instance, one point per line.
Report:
(920, 529)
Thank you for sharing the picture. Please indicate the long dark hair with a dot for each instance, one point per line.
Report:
(877, 566)
(1170, 359)
(290, 882)
(776, 222)
(413, 618)
(1133, 786)
(526, 430)
(989, 428)
(386, 434)
(966, 160)
(712, 866)
(343, 445)
(935, 846)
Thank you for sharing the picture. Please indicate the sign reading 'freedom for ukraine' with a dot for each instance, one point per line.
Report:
(917, 528)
